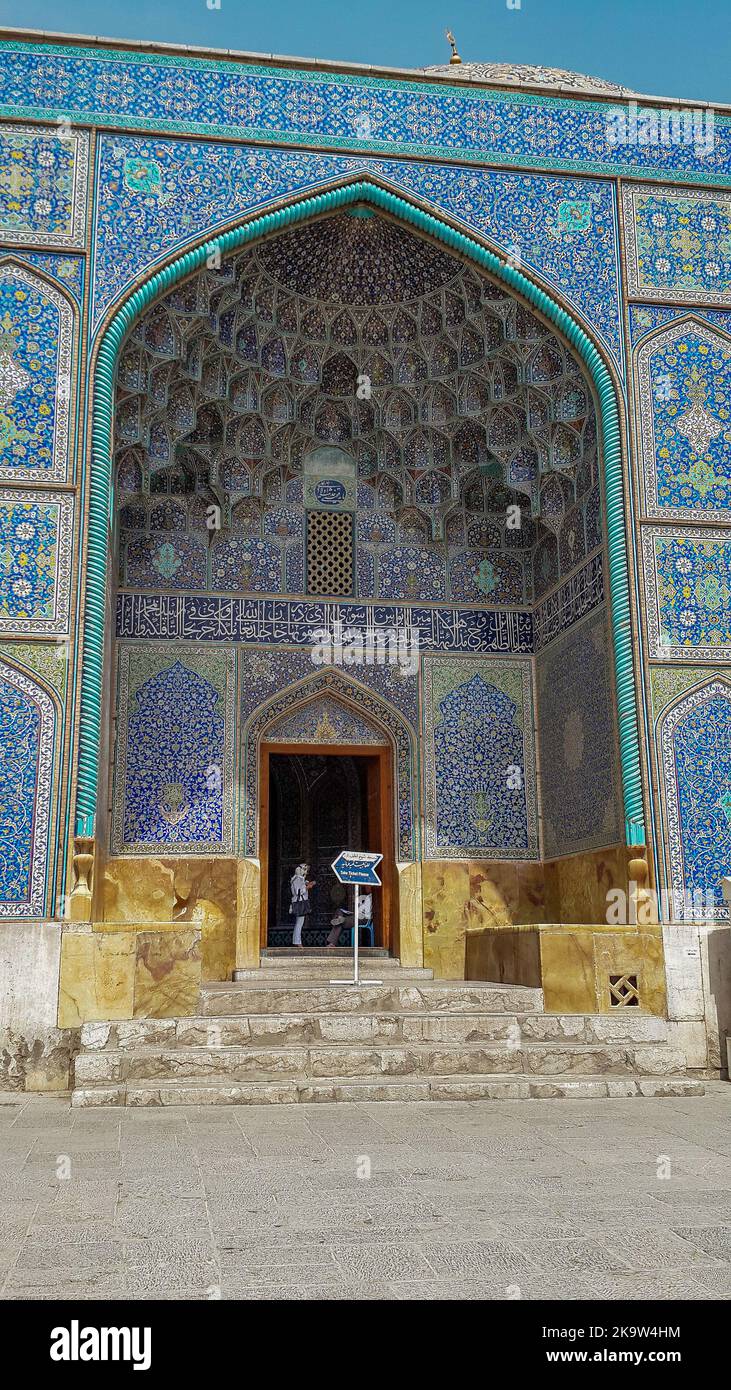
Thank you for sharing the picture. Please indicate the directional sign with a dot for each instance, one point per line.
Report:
(357, 866)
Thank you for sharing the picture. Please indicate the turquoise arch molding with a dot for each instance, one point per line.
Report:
(101, 467)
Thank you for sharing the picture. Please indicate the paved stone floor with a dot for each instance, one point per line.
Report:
(511, 1199)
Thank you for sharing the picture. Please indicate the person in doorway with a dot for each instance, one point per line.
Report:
(300, 905)
(365, 913)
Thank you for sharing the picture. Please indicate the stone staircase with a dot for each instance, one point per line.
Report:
(284, 1034)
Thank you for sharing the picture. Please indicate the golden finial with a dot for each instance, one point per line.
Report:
(455, 58)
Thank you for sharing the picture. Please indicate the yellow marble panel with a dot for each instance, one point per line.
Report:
(567, 971)
(138, 891)
(410, 907)
(531, 893)
(248, 915)
(493, 900)
(96, 977)
(576, 889)
(167, 974)
(552, 899)
(631, 953)
(446, 891)
(505, 955)
(218, 940)
(610, 873)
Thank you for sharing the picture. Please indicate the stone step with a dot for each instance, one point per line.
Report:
(293, 997)
(428, 1088)
(238, 1030)
(251, 1063)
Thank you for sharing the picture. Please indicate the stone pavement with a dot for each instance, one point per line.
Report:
(612, 1199)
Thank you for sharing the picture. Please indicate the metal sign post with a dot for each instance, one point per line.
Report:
(358, 868)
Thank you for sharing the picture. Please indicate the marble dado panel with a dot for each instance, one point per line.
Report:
(574, 966)
(155, 196)
(687, 592)
(220, 97)
(36, 345)
(174, 759)
(36, 533)
(683, 386)
(176, 894)
(580, 779)
(43, 184)
(678, 244)
(464, 900)
(108, 975)
(479, 759)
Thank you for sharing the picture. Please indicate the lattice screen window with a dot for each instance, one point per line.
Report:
(330, 553)
(624, 991)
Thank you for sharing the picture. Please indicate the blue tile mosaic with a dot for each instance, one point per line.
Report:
(173, 782)
(36, 342)
(678, 244)
(695, 749)
(35, 561)
(580, 785)
(688, 592)
(684, 422)
(202, 187)
(479, 760)
(27, 734)
(43, 185)
(298, 106)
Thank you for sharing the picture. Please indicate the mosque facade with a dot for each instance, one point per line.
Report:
(365, 454)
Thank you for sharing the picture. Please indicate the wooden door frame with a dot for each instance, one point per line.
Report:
(383, 753)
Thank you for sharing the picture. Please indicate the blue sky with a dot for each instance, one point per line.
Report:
(667, 47)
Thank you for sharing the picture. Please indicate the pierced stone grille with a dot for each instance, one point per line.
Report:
(330, 553)
(623, 991)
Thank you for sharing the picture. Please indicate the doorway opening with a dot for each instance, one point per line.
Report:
(316, 802)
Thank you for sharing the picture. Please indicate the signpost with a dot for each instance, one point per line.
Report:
(359, 868)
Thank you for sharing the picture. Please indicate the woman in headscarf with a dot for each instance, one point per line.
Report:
(300, 906)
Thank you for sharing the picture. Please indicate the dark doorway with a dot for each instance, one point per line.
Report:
(319, 804)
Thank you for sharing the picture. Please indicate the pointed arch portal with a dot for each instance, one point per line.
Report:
(435, 227)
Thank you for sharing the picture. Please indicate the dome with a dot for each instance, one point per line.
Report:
(524, 75)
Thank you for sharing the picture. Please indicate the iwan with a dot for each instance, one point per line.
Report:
(77, 1343)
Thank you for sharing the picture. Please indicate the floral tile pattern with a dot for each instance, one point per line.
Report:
(220, 97)
(35, 562)
(678, 244)
(36, 338)
(479, 760)
(43, 185)
(684, 413)
(695, 752)
(173, 783)
(643, 318)
(27, 737)
(580, 783)
(688, 592)
(157, 195)
(324, 720)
